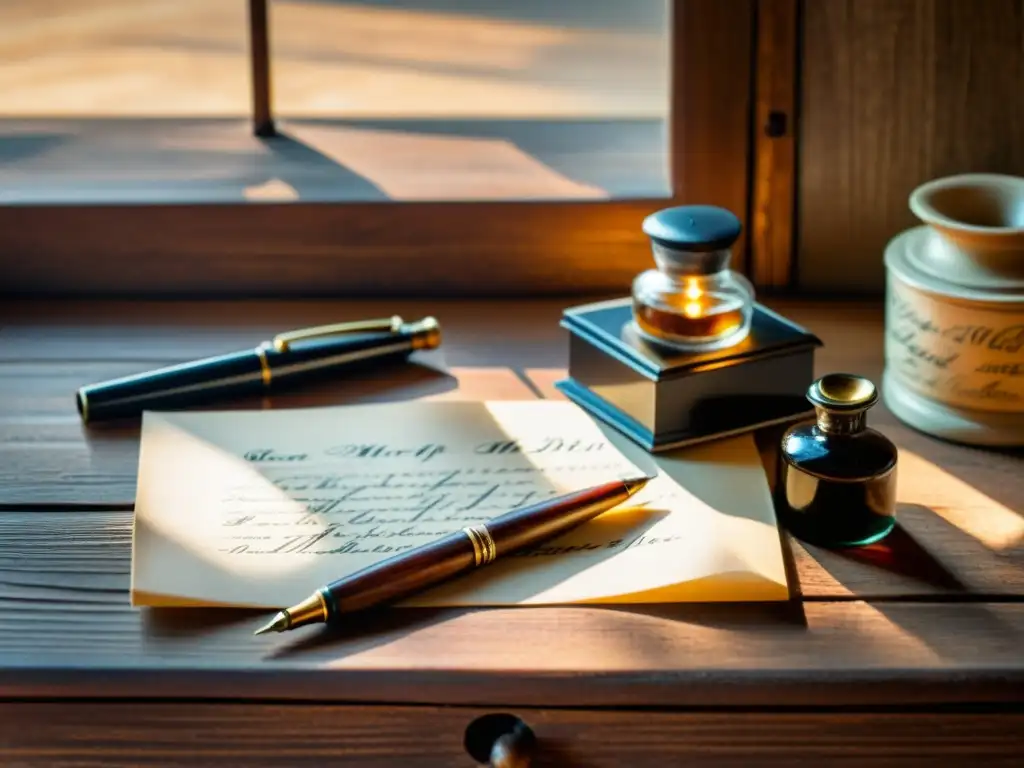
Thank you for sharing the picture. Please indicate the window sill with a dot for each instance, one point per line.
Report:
(203, 208)
(203, 161)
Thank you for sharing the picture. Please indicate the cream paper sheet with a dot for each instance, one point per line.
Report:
(259, 508)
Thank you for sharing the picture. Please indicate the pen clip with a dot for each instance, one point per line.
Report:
(282, 341)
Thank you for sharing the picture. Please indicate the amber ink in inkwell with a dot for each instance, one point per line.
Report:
(837, 477)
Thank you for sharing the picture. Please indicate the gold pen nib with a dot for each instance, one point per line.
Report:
(279, 623)
(634, 484)
(310, 611)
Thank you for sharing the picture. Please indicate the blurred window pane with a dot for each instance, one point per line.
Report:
(475, 99)
(376, 100)
(124, 58)
(470, 58)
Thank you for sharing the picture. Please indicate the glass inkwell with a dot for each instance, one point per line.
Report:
(686, 354)
(692, 301)
(837, 476)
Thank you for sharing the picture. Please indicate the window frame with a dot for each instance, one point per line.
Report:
(398, 248)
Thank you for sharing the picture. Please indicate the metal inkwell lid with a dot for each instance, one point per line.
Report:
(841, 401)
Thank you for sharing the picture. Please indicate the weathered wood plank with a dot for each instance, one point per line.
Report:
(200, 735)
(709, 120)
(894, 93)
(473, 332)
(774, 178)
(961, 529)
(66, 628)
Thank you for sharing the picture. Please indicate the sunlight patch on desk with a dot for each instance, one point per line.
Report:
(882, 640)
(274, 190)
(417, 166)
(213, 473)
(922, 482)
(544, 380)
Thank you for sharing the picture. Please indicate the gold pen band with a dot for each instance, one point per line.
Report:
(83, 404)
(265, 370)
(484, 548)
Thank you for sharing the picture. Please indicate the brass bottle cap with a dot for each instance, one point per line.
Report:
(842, 392)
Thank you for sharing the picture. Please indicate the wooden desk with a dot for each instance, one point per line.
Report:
(898, 654)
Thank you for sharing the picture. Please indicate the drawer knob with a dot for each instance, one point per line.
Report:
(500, 741)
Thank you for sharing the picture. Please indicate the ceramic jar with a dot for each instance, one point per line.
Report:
(954, 335)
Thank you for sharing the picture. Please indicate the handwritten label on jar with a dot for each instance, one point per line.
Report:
(956, 354)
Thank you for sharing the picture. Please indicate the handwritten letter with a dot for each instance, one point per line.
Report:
(260, 508)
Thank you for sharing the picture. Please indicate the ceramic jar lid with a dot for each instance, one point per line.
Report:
(976, 231)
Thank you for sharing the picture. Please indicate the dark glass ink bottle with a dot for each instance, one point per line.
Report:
(837, 477)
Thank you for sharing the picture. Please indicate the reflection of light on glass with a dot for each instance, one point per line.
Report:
(694, 295)
(693, 309)
(919, 481)
(692, 291)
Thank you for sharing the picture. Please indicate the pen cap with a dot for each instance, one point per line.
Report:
(291, 356)
(176, 386)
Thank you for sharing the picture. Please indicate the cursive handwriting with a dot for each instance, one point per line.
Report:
(1008, 339)
(376, 451)
(325, 511)
(907, 314)
(268, 454)
(907, 340)
(990, 391)
(548, 445)
(1002, 369)
(429, 451)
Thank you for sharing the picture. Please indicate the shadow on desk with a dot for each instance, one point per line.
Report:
(384, 626)
(926, 556)
(383, 382)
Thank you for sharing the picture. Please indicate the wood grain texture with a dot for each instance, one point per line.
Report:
(349, 250)
(273, 735)
(961, 534)
(774, 184)
(66, 629)
(239, 215)
(710, 109)
(172, 331)
(897, 92)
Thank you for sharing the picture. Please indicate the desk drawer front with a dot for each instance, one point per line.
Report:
(251, 735)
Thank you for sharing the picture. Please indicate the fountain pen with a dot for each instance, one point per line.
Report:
(455, 554)
(288, 357)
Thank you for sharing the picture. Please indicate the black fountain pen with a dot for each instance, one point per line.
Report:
(288, 357)
(454, 554)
